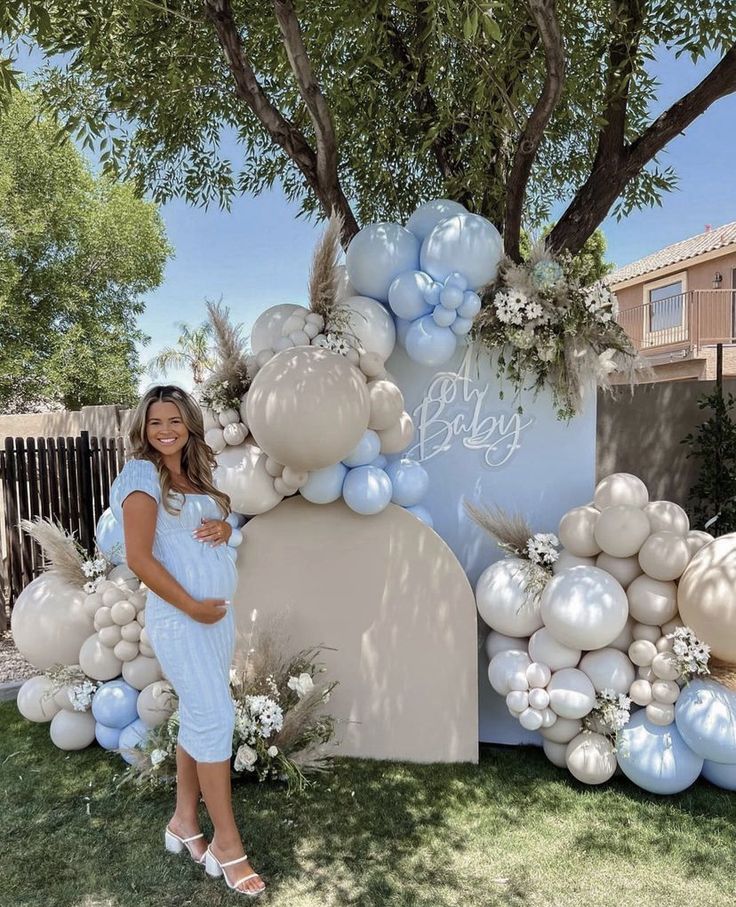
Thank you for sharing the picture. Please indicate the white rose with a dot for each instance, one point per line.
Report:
(157, 757)
(245, 758)
(302, 684)
(273, 751)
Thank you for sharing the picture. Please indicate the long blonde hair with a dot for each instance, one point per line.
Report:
(197, 458)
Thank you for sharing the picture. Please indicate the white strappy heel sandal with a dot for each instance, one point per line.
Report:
(175, 844)
(213, 867)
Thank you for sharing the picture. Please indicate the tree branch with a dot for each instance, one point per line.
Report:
(611, 175)
(314, 167)
(545, 17)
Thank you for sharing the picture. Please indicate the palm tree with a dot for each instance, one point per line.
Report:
(192, 351)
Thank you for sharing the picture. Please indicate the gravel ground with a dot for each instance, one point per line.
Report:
(12, 664)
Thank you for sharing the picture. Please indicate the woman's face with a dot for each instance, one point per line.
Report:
(165, 428)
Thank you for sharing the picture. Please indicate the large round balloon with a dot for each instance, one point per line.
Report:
(428, 215)
(406, 295)
(621, 489)
(719, 774)
(429, 344)
(706, 717)
(504, 601)
(705, 596)
(114, 704)
(131, 738)
(72, 730)
(608, 669)
(97, 660)
(378, 254)
(110, 538)
(621, 530)
(571, 694)
(591, 758)
(370, 324)
(36, 699)
(467, 243)
(584, 608)
(656, 758)
(49, 622)
(410, 482)
(268, 326)
(308, 408)
(241, 474)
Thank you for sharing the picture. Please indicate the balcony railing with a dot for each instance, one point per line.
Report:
(687, 321)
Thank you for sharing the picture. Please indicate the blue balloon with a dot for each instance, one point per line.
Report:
(377, 255)
(456, 279)
(114, 703)
(107, 737)
(424, 219)
(131, 737)
(110, 539)
(402, 328)
(421, 513)
(470, 306)
(406, 295)
(656, 758)
(451, 297)
(324, 485)
(461, 326)
(705, 715)
(429, 344)
(467, 243)
(367, 490)
(444, 317)
(365, 451)
(410, 482)
(719, 774)
(380, 462)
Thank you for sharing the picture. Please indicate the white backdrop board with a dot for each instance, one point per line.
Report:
(476, 446)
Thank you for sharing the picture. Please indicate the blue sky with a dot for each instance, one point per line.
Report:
(258, 253)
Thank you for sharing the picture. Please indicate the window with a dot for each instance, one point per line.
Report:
(666, 307)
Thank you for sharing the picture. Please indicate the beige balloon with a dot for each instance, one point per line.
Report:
(36, 701)
(641, 692)
(621, 531)
(156, 702)
(122, 613)
(625, 637)
(234, 433)
(110, 636)
(664, 555)
(621, 488)
(246, 480)
(563, 730)
(642, 652)
(112, 596)
(125, 650)
(661, 713)
(646, 631)
(397, 438)
(131, 632)
(72, 730)
(695, 540)
(555, 752)
(591, 758)
(566, 559)
(103, 618)
(49, 622)
(387, 404)
(652, 601)
(92, 603)
(308, 407)
(624, 569)
(706, 597)
(577, 531)
(141, 671)
(63, 700)
(97, 660)
(124, 577)
(667, 516)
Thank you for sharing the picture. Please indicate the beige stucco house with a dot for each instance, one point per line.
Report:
(678, 303)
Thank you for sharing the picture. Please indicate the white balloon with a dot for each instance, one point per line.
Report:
(577, 531)
(234, 433)
(624, 569)
(591, 758)
(36, 699)
(665, 691)
(269, 324)
(538, 674)
(538, 699)
(566, 559)
(652, 601)
(696, 540)
(371, 324)
(664, 666)
(621, 488)
(545, 648)
(504, 668)
(624, 638)
(343, 288)
(228, 417)
(608, 669)
(661, 713)
(664, 515)
(642, 652)
(563, 730)
(664, 555)
(584, 608)
(556, 753)
(621, 531)
(531, 719)
(498, 642)
(215, 438)
(503, 600)
(641, 692)
(248, 483)
(517, 701)
(646, 631)
(571, 694)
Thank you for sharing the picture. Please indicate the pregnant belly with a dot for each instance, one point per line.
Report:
(205, 572)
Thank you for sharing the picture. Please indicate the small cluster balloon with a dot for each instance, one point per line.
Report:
(606, 636)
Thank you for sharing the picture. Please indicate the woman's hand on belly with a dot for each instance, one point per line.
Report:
(208, 610)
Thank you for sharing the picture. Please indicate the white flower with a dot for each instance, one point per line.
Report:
(245, 758)
(691, 654)
(273, 751)
(302, 684)
(157, 757)
(514, 307)
(600, 302)
(100, 564)
(607, 362)
(80, 695)
(266, 715)
(542, 549)
(88, 568)
(89, 588)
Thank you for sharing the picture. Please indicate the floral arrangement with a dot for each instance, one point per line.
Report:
(95, 569)
(610, 715)
(548, 327)
(281, 731)
(691, 655)
(79, 688)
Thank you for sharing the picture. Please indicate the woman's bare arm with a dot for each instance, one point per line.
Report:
(139, 525)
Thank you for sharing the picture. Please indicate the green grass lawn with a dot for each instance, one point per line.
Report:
(511, 831)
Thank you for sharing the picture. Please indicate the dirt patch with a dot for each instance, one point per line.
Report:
(12, 664)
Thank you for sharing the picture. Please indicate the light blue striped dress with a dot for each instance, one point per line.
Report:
(194, 657)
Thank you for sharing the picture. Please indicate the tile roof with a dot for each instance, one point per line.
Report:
(679, 251)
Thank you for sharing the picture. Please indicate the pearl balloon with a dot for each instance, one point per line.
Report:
(556, 753)
(591, 758)
(665, 667)
(72, 730)
(665, 515)
(624, 638)
(531, 719)
(36, 700)
(538, 675)
(215, 438)
(506, 668)
(498, 642)
(517, 701)
(706, 597)
(695, 540)
(619, 489)
(645, 631)
(563, 730)
(665, 691)
(652, 601)
(584, 608)
(246, 480)
(543, 647)
(571, 694)
(370, 324)
(378, 254)
(235, 433)
(565, 560)
(621, 531)
(268, 326)
(577, 531)
(660, 713)
(307, 408)
(641, 692)
(503, 600)
(642, 652)
(608, 669)
(664, 555)
(624, 569)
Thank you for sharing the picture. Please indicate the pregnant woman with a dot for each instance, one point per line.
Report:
(176, 539)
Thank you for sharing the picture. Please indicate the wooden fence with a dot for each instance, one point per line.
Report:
(66, 479)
